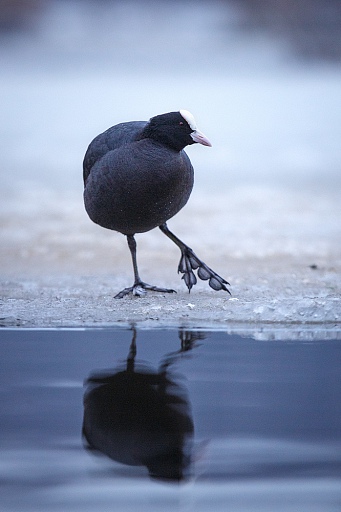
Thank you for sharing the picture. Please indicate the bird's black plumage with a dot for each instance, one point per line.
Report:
(136, 177)
(134, 182)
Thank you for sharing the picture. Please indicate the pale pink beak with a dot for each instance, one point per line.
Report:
(199, 137)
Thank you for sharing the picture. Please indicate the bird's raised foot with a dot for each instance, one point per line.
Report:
(189, 261)
(140, 289)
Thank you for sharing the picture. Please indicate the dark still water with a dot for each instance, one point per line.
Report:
(106, 420)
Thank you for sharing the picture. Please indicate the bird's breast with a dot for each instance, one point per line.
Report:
(138, 187)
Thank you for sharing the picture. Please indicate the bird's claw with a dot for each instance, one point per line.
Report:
(140, 288)
(189, 261)
(139, 291)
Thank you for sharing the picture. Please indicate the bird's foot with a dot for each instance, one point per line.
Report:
(189, 261)
(139, 289)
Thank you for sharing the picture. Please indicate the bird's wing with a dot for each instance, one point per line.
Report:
(109, 140)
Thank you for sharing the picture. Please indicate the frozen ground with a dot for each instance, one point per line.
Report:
(266, 208)
(287, 271)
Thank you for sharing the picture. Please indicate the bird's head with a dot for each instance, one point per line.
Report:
(175, 129)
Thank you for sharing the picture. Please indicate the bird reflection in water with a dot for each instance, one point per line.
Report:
(141, 417)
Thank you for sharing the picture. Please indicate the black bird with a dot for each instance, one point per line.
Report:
(136, 177)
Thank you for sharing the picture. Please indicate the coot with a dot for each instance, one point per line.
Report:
(136, 177)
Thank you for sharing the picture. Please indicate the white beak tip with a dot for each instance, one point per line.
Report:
(200, 138)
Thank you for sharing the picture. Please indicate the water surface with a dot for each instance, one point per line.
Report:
(178, 421)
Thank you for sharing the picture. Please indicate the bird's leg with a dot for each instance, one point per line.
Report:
(132, 246)
(189, 261)
(139, 288)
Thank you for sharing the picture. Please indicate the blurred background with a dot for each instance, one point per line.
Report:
(262, 78)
